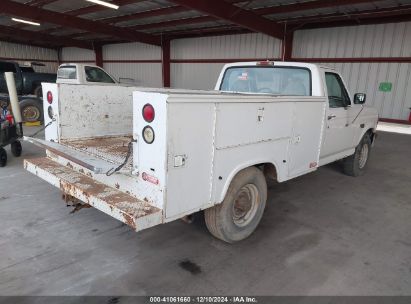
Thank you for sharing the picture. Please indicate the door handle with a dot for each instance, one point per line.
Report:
(331, 116)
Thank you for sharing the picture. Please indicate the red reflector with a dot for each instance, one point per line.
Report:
(49, 97)
(148, 113)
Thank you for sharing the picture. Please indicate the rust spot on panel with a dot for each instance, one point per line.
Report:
(98, 195)
(69, 165)
(81, 171)
(117, 186)
(129, 221)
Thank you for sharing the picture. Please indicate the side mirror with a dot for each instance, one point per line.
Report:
(359, 98)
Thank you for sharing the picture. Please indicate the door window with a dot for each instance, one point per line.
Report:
(337, 94)
(97, 75)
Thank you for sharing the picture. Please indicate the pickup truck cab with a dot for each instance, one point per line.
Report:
(28, 82)
(151, 156)
(76, 73)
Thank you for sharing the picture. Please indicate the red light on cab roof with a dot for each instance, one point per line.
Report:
(265, 63)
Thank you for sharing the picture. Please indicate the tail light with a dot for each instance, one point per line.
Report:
(49, 97)
(148, 112)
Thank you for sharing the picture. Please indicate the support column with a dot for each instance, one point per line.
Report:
(165, 60)
(287, 50)
(98, 50)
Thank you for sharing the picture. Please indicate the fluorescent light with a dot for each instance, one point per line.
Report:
(26, 21)
(104, 3)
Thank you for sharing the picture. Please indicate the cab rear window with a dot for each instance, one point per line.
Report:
(291, 81)
(67, 72)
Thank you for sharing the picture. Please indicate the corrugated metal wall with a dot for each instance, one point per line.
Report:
(367, 41)
(139, 62)
(194, 75)
(73, 54)
(26, 53)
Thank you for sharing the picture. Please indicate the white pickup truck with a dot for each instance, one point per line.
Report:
(151, 156)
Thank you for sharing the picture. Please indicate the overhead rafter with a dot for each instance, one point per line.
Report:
(42, 15)
(234, 14)
(96, 8)
(308, 5)
(393, 14)
(40, 37)
(39, 3)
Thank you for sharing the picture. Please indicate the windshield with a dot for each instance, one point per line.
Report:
(270, 80)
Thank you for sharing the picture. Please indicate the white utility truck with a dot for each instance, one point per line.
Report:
(151, 156)
(78, 73)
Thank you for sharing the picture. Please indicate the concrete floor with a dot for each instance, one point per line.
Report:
(322, 234)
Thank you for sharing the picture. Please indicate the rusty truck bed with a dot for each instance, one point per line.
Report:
(138, 214)
(109, 148)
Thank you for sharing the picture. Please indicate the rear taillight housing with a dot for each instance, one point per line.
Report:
(148, 112)
(49, 97)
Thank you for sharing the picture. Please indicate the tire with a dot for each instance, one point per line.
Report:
(38, 91)
(356, 164)
(31, 110)
(3, 157)
(228, 221)
(16, 148)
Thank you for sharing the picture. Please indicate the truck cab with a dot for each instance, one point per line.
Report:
(75, 73)
(346, 118)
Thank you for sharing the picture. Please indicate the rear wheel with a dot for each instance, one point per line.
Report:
(239, 214)
(31, 110)
(16, 148)
(3, 157)
(356, 164)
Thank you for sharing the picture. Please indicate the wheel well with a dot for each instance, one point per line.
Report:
(371, 134)
(269, 170)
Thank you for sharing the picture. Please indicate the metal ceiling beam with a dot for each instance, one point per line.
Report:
(39, 3)
(364, 17)
(308, 5)
(42, 15)
(234, 14)
(40, 37)
(96, 8)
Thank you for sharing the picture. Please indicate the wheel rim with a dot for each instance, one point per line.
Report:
(363, 156)
(245, 205)
(31, 113)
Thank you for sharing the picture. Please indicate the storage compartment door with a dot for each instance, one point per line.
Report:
(190, 157)
(307, 136)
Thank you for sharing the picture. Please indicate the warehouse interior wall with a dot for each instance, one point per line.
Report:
(196, 62)
(25, 54)
(374, 59)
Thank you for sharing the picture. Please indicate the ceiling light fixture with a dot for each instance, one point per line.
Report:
(104, 3)
(26, 21)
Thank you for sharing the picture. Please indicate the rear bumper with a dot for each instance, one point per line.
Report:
(138, 214)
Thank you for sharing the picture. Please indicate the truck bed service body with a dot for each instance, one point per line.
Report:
(151, 156)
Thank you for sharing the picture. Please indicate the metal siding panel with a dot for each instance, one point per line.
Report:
(222, 47)
(131, 51)
(195, 75)
(73, 54)
(380, 40)
(144, 74)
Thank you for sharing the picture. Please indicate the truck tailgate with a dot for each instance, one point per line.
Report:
(136, 213)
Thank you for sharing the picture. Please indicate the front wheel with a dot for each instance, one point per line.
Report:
(239, 214)
(356, 164)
